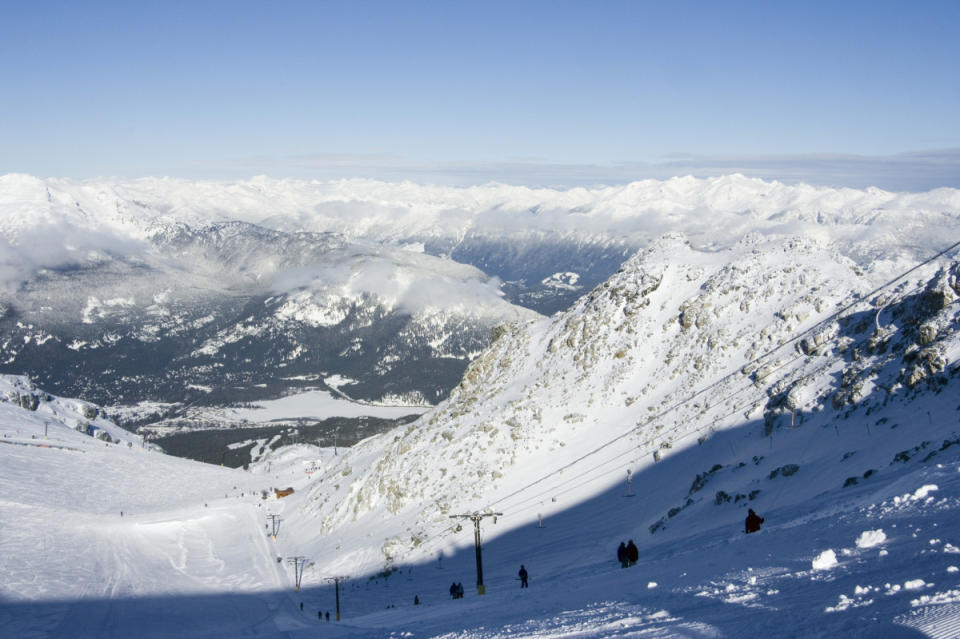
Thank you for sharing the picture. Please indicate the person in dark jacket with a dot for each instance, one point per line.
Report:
(523, 576)
(622, 555)
(453, 590)
(459, 590)
(633, 553)
(753, 522)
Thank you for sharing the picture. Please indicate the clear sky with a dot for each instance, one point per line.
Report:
(538, 92)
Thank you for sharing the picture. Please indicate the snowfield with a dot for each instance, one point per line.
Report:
(772, 374)
(191, 557)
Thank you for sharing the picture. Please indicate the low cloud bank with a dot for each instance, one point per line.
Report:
(911, 171)
(57, 247)
(416, 284)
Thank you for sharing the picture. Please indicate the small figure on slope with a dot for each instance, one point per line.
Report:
(633, 554)
(523, 576)
(753, 522)
(622, 555)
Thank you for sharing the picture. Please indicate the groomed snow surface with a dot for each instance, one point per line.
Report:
(192, 555)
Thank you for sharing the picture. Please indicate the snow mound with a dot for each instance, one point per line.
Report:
(924, 491)
(871, 538)
(825, 560)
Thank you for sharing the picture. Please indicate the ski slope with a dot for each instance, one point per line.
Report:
(191, 556)
(94, 534)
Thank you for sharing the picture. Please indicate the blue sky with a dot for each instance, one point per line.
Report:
(553, 93)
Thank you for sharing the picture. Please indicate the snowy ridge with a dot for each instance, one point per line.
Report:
(669, 323)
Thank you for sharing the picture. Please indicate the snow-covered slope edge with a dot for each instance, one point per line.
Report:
(28, 411)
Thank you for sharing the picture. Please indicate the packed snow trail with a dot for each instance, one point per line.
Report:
(111, 540)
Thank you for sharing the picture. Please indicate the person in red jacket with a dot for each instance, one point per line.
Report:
(753, 522)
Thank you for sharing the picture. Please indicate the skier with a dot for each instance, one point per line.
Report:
(453, 590)
(416, 600)
(459, 590)
(622, 555)
(523, 576)
(753, 522)
(632, 553)
(327, 614)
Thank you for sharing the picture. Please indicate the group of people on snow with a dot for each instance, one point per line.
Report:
(456, 590)
(628, 554)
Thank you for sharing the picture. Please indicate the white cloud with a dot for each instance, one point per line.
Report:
(410, 282)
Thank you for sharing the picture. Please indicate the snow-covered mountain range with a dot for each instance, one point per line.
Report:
(777, 374)
(162, 298)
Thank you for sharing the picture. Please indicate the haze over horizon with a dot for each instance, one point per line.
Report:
(541, 93)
